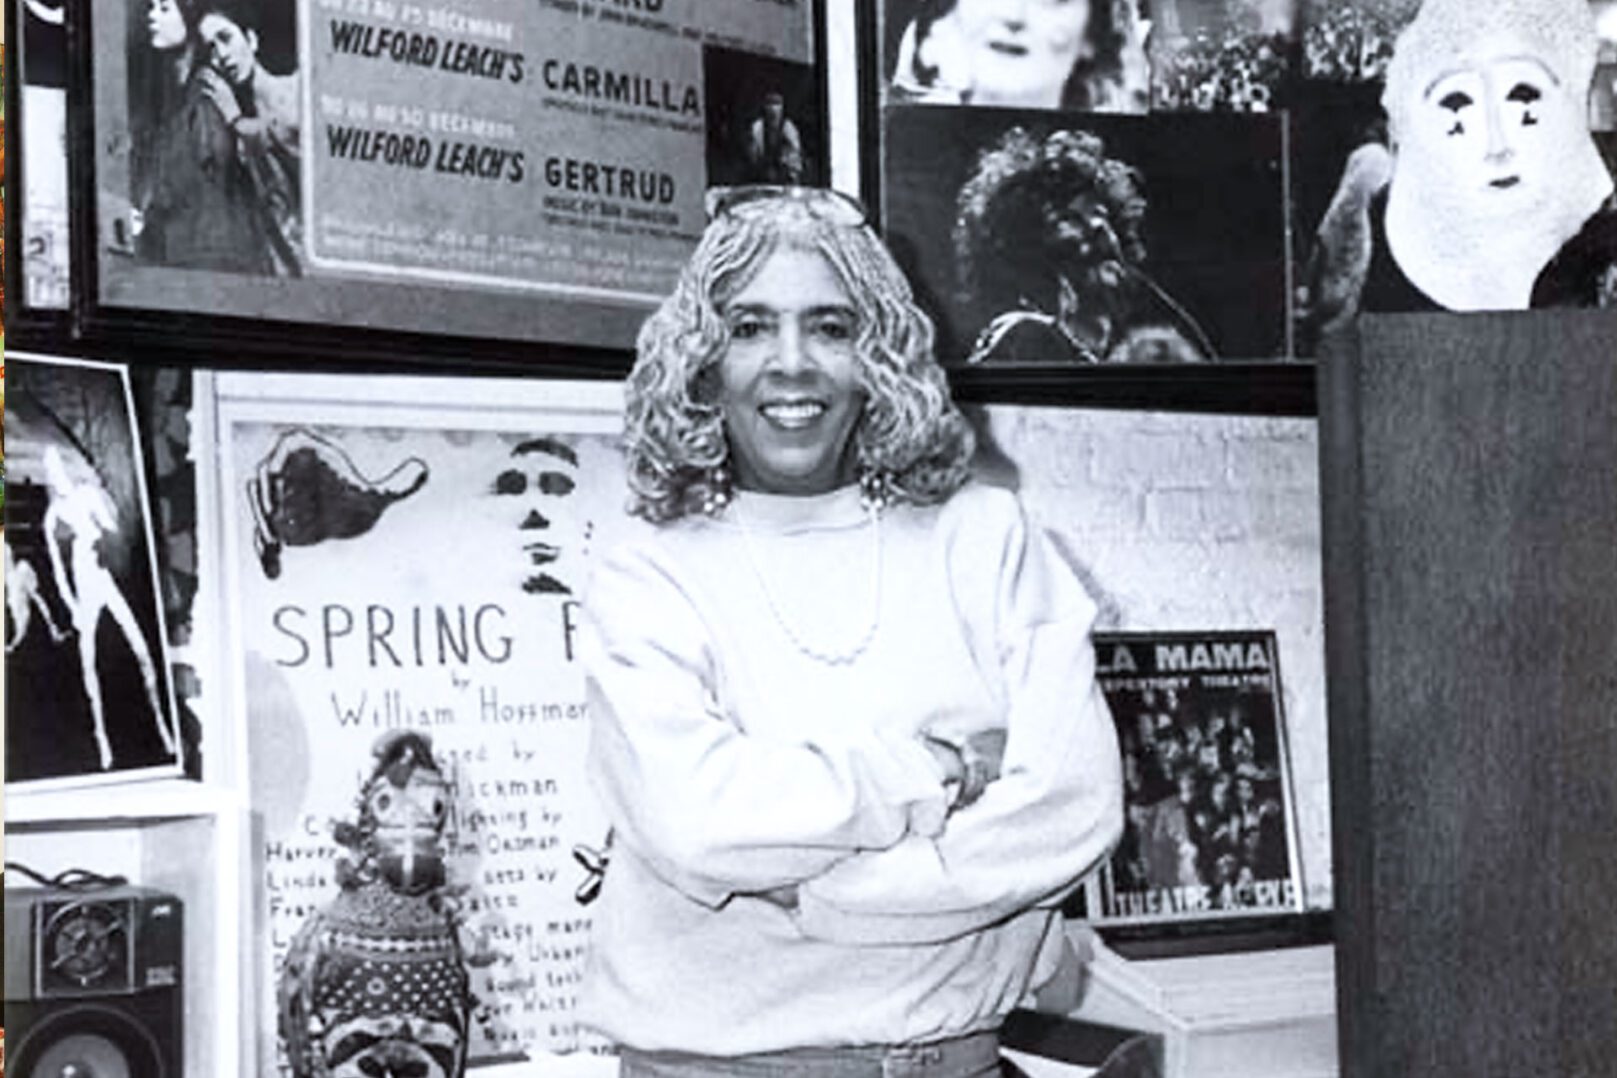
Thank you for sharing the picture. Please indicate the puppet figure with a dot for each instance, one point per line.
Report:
(375, 983)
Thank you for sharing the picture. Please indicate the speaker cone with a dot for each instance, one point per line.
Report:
(82, 1055)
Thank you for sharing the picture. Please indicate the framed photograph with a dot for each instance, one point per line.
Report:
(1211, 830)
(471, 177)
(38, 248)
(1072, 245)
(405, 555)
(89, 698)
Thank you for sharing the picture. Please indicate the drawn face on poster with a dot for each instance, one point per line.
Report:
(88, 693)
(214, 114)
(427, 578)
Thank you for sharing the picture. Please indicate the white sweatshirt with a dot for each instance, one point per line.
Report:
(730, 763)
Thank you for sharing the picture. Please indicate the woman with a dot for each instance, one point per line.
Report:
(1491, 194)
(845, 719)
(262, 110)
(1041, 54)
(195, 203)
(1050, 247)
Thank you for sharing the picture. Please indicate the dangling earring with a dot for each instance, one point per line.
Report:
(718, 490)
(875, 489)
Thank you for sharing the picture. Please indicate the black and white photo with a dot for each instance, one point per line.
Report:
(1039, 238)
(87, 689)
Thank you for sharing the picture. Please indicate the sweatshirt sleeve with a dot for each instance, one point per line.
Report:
(712, 810)
(1057, 809)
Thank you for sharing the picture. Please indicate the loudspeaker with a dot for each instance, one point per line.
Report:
(92, 982)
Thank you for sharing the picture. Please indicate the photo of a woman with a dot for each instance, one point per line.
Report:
(1085, 55)
(210, 187)
(845, 719)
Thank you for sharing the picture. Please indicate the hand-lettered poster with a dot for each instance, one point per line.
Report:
(1211, 821)
(88, 694)
(419, 575)
(503, 169)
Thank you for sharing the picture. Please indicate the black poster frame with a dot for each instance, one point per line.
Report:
(564, 342)
(1282, 386)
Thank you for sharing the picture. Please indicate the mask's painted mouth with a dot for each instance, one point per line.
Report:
(1505, 182)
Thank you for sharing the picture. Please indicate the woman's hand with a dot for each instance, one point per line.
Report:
(969, 762)
(219, 93)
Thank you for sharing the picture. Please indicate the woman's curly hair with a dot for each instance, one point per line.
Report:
(1037, 211)
(910, 432)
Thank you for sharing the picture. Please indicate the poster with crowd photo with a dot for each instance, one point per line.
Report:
(88, 693)
(498, 169)
(1211, 822)
(1231, 56)
(1056, 239)
(399, 566)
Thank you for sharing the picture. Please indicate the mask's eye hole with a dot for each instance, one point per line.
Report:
(1525, 94)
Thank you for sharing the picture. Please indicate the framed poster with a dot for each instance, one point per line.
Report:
(405, 554)
(89, 697)
(1211, 829)
(1072, 244)
(497, 172)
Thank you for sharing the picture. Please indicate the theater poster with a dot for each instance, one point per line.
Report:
(398, 566)
(519, 170)
(1211, 829)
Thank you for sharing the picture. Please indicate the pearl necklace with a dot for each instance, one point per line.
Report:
(831, 657)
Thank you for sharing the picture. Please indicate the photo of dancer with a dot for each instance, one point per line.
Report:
(214, 156)
(88, 689)
(1209, 819)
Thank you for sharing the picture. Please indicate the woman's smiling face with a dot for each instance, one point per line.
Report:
(789, 381)
(1022, 51)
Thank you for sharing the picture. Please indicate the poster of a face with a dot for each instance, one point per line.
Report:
(1061, 240)
(87, 688)
(497, 169)
(1446, 159)
(399, 568)
(1085, 55)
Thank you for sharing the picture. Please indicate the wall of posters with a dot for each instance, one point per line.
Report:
(1211, 826)
(503, 169)
(88, 694)
(417, 569)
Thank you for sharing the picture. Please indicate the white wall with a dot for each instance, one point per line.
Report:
(1193, 522)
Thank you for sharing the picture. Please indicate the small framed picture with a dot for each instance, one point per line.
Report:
(89, 697)
(1211, 829)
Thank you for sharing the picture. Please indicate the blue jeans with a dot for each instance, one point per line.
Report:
(973, 1056)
